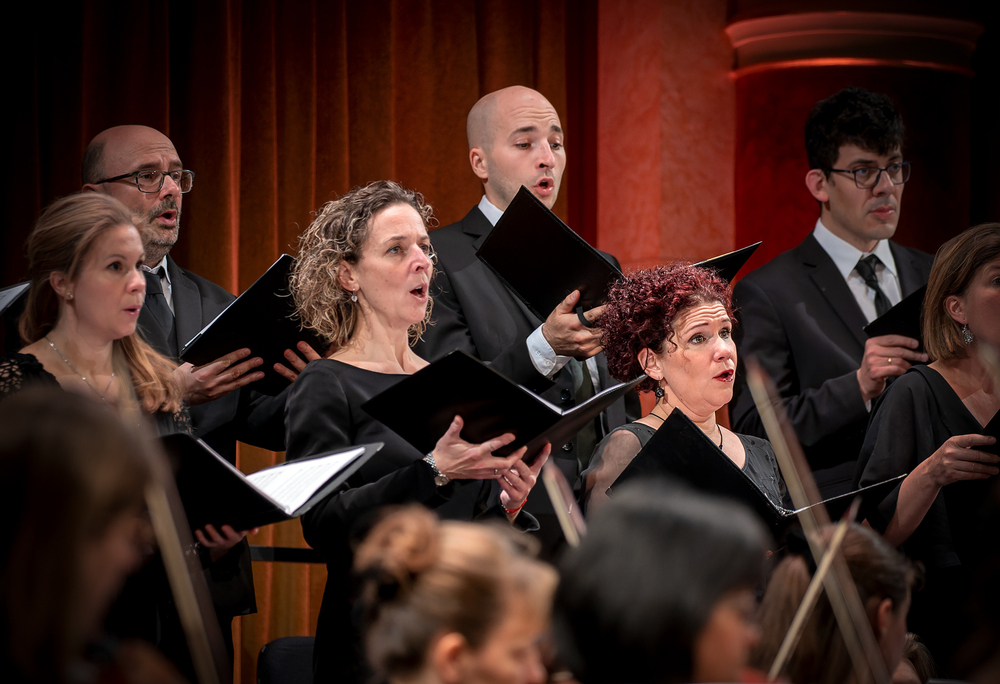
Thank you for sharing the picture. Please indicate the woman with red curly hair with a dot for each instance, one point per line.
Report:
(674, 323)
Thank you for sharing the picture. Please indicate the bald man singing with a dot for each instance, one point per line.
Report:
(516, 138)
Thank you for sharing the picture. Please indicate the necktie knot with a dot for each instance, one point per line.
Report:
(866, 269)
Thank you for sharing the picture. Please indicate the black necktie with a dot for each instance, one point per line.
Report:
(866, 269)
(156, 302)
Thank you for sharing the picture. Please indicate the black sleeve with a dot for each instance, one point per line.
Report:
(318, 418)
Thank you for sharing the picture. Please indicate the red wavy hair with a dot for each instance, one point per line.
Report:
(641, 309)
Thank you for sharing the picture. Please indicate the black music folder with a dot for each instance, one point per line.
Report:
(542, 260)
(260, 319)
(902, 319)
(12, 303)
(729, 264)
(521, 247)
(420, 408)
(215, 492)
(680, 449)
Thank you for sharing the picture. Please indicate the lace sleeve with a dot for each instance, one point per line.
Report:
(610, 458)
(18, 371)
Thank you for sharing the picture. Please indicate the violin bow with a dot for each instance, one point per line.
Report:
(809, 599)
(184, 573)
(840, 588)
(567, 511)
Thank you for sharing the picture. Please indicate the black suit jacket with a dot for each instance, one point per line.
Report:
(798, 316)
(243, 415)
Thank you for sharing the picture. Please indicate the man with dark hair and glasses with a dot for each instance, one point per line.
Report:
(802, 315)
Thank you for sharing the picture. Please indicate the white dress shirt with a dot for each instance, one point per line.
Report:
(846, 257)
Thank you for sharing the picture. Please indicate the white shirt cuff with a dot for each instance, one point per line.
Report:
(543, 356)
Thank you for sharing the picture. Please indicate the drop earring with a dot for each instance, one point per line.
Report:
(967, 335)
(354, 296)
(658, 392)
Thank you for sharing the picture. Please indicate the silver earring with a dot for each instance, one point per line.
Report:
(967, 335)
(354, 296)
(69, 295)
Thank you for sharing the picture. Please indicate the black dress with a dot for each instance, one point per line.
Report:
(911, 420)
(323, 413)
(617, 450)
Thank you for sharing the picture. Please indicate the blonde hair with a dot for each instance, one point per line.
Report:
(956, 264)
(421, 577)
(60, 241)
(337, 235)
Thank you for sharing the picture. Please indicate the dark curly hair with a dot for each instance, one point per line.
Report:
(854, 116)
(641, 309)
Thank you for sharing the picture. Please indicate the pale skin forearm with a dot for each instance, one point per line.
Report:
(916, 494)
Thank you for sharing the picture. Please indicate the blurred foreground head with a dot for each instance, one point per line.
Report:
(661, 589)
(452, 602)
(73, 478)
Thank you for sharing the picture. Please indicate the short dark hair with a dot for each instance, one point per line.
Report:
(641, 310)
(638, 591)
(854, 116)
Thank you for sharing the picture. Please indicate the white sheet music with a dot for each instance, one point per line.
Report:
(291, 484)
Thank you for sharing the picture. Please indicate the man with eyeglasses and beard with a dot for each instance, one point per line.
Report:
(140, 166)
(803, 314)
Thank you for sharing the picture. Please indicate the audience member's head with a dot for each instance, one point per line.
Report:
(916, 666)
(661, 589)
(335, 243)
(515, 139)
(452, 602)
(958, 309)
(73, 478)
(139, 166)
(642, 309)
(884, 578)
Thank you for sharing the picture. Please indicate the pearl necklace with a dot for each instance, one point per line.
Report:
(112, 379)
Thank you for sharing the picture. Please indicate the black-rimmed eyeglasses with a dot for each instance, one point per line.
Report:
(868, 176)
(151, 180)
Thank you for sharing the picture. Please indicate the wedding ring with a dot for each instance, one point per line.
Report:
(495, 472)
(889, 359)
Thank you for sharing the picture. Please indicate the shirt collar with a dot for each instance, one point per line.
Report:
(846, 256)
(491, 213)
(163, 263)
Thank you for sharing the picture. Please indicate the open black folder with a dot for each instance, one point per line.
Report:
(681, 450)
(520, 249)
(215, 492)
(260, 319)
(902, 319)
(420, 408)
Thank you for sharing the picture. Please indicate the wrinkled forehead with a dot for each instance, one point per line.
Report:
(700, 312)
(144, 150)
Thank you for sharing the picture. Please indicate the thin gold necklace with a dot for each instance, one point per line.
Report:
(112, 379)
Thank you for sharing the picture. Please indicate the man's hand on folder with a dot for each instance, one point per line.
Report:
(886, 356)
(297, 362)
(567, 335)
(217, 379)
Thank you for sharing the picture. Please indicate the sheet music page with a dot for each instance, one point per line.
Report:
(291, 484)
